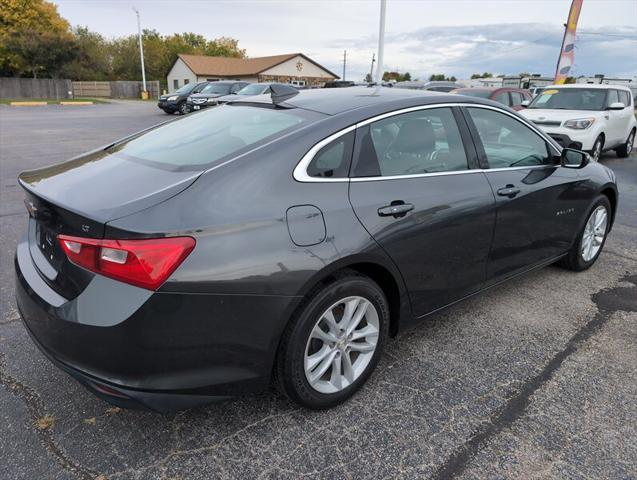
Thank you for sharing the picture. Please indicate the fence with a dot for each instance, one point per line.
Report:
(35, 88)
(63, 88)
(116, 89)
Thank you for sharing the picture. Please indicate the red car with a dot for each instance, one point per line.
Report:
(511, 97)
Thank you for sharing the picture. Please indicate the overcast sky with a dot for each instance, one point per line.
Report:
(455, 37)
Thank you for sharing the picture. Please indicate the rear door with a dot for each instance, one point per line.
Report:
(538, 201)
(413, 188)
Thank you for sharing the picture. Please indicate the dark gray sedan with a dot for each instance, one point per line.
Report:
(287, 236)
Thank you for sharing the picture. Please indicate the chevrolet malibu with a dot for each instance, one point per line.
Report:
(285, 238)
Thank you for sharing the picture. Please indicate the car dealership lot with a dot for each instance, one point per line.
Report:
(534, 379)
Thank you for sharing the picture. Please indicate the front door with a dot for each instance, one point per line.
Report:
(538, 202)
(413, 190)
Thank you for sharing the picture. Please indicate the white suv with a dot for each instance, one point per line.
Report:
(593, 118)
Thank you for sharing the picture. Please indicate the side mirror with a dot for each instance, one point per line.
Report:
(616, 106)
(573, 158)
(525, 103)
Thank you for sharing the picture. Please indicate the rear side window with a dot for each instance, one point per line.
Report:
(332, 161)
(201, 140)
(425, 141)
(503, 98)
(507, 142)
(517, 98)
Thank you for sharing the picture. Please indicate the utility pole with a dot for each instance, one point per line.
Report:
(381, 43)
(141, 49)
(344, 62)
(371, 70)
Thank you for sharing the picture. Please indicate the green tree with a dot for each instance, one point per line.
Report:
(93, 57)
(41, 53)
(22, 24)
(439, 77)
(368, 78)
(481, 75)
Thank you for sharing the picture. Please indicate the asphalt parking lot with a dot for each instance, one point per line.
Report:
(534, 379)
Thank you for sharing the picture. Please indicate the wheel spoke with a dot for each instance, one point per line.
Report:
(322, 368)
(331, 321)
(313, 360)
(358, 316)
(337, 377)
(368, 332)
(348, 370)
(362, 347)
(320, 334)
(350, 310)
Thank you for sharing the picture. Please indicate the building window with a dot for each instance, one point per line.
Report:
(298, 83)
(186, 81)
(175, 84)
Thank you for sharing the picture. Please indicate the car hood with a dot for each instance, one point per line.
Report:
(541, 114)
(104, 186)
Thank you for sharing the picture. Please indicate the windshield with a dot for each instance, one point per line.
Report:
(570, 99)
(254, 89)
(217, 88)
(206, 138)
(475, 93)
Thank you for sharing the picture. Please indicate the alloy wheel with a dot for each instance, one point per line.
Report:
(629, 143)
(594, 233)
(341, 344)
(597, 150)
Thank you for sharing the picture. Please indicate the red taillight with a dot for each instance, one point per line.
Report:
(144, 263)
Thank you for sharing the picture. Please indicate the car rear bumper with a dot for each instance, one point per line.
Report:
(173, 351)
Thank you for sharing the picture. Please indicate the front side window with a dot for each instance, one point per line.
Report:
(209, 137)
(507, 142)
(570, 99)
(425, 141)
(624, 97)
(332, 161)
(613, 97)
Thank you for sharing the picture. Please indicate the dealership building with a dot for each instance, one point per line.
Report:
(293, 68)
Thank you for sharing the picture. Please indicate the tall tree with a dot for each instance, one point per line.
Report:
(39, 19)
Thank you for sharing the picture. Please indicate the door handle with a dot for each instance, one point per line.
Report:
(508, 191)
(397, 209)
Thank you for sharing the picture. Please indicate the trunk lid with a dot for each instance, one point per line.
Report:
(80, 197)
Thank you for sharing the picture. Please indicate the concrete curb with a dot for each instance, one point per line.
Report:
(76, 103)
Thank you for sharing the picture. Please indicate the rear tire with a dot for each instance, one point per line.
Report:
(593, 235)
(324, 359)
(626, 148)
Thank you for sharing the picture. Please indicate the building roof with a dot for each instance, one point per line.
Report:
(228, 66)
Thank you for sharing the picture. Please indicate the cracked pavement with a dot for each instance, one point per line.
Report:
(536, 378)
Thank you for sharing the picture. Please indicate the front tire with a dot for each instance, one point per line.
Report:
(333, 344)
(626, 148)
(590, 242)
(596, 151)
(182, 108)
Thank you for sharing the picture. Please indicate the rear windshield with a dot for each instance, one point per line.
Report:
(198, 141)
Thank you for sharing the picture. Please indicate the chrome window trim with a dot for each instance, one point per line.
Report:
(300, 171)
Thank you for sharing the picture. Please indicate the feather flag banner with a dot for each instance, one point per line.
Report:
(567, 54)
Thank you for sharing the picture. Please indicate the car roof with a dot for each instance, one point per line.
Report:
(603, 86)
(332, 101)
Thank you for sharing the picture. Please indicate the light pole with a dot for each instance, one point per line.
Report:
(381, 43)
(141, 49)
